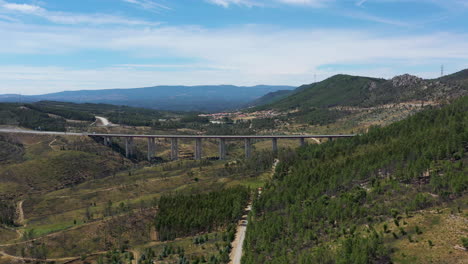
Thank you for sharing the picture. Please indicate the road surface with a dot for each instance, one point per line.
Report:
(35, 132)
(102, 121)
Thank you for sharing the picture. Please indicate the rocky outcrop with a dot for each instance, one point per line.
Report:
(406, 80)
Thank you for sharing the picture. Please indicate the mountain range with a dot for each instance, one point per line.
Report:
(207, 98)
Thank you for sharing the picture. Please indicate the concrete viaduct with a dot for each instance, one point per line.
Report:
(129, 144)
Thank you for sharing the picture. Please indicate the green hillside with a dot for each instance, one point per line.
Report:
(458, 76)
(127, 115)
(367, 199)
(56, 116)
(346, 90)
(270, 98)
(337, 90)
(19, 115)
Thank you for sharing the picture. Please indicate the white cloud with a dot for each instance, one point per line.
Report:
(245, 55)
(69, 18)
(24, 8)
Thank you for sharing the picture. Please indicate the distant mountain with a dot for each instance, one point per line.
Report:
(176, 98)
(347, 90)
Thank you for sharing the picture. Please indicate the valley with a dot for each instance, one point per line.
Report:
(393, 192)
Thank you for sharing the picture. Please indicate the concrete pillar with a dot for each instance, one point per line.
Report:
(151, 148)
(222, 149)
(127, 151)
(330, 139)
(274, 142)
(248, 148)
(174, 149)
(128, 147)
(198, 148)
(302, 141)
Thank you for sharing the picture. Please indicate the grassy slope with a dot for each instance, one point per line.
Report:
(42, 168)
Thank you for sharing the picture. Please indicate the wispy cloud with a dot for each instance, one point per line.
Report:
(463, 3)
(23, 8)
(8, 18)
(251, 3)
(148, 5)
(316, 3)
(68, 18)
(360, 2)
(227, 3)
(373, 18)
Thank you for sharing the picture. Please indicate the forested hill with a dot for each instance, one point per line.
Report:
(347, 90)
(355, 200)
(53, 116)
(270, 98)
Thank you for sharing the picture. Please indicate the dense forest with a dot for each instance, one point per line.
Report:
(65, 112)
(7, 213)
(321, 196)
(317, 116)
(20, 115)
(132, 116)
(185, 215)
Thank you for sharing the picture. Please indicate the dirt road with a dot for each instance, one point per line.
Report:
(237, 244)
(19, 207)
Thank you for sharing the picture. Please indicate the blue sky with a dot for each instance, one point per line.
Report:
(55, 45)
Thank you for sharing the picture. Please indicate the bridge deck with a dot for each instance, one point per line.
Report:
(171, 136)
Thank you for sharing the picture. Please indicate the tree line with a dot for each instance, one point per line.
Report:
(185, 215)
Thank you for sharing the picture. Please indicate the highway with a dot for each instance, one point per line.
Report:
(34, 132)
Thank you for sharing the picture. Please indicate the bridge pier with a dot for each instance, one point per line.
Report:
(302, 141)
(151, 148)
(248, 148)
(174, 149)
(330, 139)
(128, 147)
(274, 142)
(222, 149)
(198, 149)
(107, 141)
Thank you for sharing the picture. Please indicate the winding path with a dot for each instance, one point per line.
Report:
(6, 255)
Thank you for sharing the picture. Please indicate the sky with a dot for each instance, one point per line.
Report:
(55, 45)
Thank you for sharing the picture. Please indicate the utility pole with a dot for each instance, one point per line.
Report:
(441, 70)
